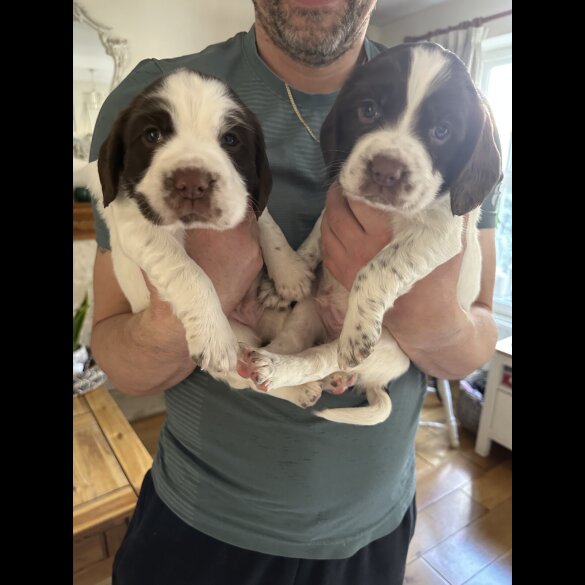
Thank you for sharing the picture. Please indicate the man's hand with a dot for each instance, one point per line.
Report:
(430, 313)
(352, 234)
(426, 317)
(232, 259)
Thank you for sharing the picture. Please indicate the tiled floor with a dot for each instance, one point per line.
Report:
(464, 527)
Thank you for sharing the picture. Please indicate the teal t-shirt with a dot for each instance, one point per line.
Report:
(246, 468)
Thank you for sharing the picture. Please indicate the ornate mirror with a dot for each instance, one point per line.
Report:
(99, 60)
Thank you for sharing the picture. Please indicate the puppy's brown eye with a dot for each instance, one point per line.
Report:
(441, 132)
(152, 135)
(368, 112)
(229, 139)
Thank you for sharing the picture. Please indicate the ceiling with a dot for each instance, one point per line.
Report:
(387, 10)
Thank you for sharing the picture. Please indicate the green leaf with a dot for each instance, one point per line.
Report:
(78, 319)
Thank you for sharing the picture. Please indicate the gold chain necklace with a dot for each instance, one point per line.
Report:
(362, 59)
(299, 116)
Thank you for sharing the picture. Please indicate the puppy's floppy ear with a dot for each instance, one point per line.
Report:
(263, 185)
(483, 170)
(111, 159)
(330, 140)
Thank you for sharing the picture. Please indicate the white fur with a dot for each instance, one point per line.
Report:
(399, 144)
(291, 276)
(425, 234)
(428, 68)
(199, 108)
(434, 236)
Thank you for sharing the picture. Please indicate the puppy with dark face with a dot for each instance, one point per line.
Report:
(410, 127)
(409, 135)
(412, 136)
(187, 153)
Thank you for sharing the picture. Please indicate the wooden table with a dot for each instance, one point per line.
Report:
(83, 222)
(495, 423)
(109, 463)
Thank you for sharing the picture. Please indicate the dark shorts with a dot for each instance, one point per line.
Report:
(160, 549)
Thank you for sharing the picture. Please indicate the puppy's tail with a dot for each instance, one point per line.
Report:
(377, 411)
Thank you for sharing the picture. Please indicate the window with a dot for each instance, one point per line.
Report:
(496, 85)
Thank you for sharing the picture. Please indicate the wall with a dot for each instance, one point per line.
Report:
(441, 16)
(159, 28)
(79, 87)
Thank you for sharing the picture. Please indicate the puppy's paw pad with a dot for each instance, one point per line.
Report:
(294, 284)
(309, 394)
(262, 368)
(338, 382)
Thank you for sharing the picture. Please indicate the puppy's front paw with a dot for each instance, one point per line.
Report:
(262, 369)
(269, 297)
(356, 343)
(214, 349)
(292, 279)
(309, 394)
(267, 370)
(338, 382)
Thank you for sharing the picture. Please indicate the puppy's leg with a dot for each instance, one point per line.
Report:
(338, 382)
(390, 274)
(290, 276)
(182, 283)
(302, 329)
(304, 395)
(385, 363)
(270, 293)
(310, 250)
(271, 370)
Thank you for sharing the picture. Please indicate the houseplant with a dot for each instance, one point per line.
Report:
(78, 320)
(86, 374)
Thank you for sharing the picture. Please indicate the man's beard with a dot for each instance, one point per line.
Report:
(323, 36)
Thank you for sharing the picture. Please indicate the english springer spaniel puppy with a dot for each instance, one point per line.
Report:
(187, 153)
(410, 135)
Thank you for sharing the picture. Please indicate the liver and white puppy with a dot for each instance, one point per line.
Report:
(186, 153)
(409, 135)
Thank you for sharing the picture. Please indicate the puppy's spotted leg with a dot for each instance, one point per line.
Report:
(390, 274)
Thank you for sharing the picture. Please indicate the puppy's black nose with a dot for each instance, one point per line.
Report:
(191, 183)
(386, 171)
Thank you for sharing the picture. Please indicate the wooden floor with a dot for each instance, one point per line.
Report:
(464, 527)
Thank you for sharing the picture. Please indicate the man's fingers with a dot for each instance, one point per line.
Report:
(339, 215)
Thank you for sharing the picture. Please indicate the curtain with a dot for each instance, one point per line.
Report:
(466, 44)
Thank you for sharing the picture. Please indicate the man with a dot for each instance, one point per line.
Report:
(247, 489)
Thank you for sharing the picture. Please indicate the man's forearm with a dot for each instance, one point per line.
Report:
(136, 358)
(464, 349)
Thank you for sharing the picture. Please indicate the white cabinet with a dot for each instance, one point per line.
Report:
(495, 423)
